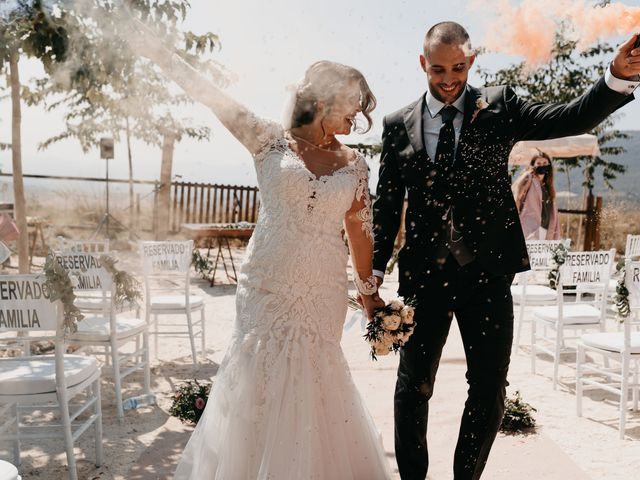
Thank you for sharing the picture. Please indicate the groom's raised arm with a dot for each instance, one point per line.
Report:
(387, 209)
(539, 121)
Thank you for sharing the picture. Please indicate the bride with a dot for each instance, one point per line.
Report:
(283, 405)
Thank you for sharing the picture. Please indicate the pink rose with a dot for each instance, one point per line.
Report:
(200, 403)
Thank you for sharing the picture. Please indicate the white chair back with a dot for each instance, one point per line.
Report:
(25, 305)
(589, 271)
(540, 260)
(583, 268)
(86, 246)
(85, 270)
(26, 308)
(93, 284)
(541, 252)
(166, 267)
(632, 248)
(632, 282)
(166, 257)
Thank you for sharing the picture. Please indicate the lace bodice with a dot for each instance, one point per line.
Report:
(288, 162)
(297, 250)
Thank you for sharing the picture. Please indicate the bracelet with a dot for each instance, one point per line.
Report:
(367, 287)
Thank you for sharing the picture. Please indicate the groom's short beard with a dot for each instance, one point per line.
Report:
(437, 92)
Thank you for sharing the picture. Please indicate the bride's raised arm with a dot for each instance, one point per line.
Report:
(239, 120)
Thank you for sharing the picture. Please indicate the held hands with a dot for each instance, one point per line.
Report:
(370, 303)
(626, 63)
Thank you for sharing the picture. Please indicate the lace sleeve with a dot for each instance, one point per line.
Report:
(268, 135)
(365, 214)
(359, 225)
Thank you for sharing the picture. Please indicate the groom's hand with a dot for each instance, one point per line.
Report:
(371, 303)
(626, 63)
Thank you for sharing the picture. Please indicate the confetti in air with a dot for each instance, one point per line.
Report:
(528, 28)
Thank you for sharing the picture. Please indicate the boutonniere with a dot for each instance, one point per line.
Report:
(481, 104)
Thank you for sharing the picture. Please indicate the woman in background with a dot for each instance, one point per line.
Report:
(535, 196)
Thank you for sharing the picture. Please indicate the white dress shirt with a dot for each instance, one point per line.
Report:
(432, 121)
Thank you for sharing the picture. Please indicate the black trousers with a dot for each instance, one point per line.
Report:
(483, 307)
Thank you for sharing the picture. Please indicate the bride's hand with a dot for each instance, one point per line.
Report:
(371, 303)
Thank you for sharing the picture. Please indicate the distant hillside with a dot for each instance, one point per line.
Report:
(626, 186)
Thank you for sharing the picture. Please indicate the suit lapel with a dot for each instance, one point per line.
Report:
(471, 97)
(413, 122)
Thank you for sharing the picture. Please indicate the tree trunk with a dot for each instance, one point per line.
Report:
(16, 155)
(164, 191)
(131, 207)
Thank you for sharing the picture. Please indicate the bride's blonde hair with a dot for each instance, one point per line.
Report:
(322, 82)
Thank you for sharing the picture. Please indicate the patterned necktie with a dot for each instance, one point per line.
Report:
(447, 137)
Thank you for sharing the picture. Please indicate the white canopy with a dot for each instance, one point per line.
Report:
(558, 147)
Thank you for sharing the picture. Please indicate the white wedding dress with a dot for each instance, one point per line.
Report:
(283, 405)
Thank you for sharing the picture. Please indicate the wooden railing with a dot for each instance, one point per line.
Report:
(212, 203)
(189, 203)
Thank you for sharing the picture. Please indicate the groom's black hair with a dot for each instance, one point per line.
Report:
(448, 33)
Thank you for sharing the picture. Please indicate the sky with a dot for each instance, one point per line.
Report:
(268, 45)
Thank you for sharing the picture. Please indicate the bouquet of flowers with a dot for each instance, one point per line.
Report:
(189, 401)
(390, 328)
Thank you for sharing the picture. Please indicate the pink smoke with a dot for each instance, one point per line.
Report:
(528, 28)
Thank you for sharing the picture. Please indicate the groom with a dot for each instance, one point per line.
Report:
(447, 153)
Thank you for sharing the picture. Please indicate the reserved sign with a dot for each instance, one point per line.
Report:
(25, 304)
(541, 252)
(86, 270)
(586, 267)
(632, 282)
(166, 256)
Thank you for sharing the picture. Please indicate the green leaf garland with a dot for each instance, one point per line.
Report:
(60, 287)
(559, 256)
(621, 298)
(127, 288)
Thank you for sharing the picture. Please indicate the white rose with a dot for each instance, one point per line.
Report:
(396, 304)
(391, 322)
(407, 314)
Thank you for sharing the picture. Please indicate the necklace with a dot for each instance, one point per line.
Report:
(311, 144)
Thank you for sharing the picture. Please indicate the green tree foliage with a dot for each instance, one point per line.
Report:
(104, 89)
(37, 29)
(567, 75)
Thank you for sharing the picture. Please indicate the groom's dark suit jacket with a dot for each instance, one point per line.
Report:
(477, 186)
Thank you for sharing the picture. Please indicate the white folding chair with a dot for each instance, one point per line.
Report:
(532, 287)
(44, 383)
(86, 301)
(592, 269)
(8, 471)
(167, 291)
(106, 330)
(622, 347)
